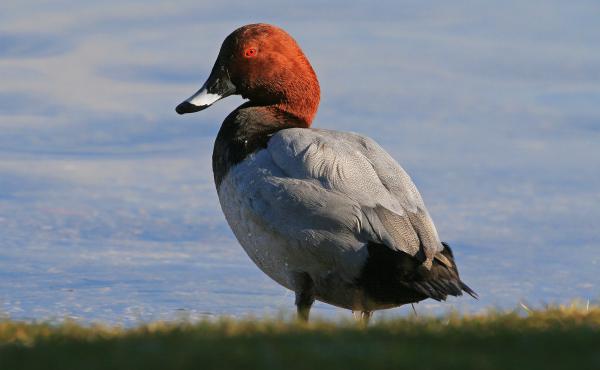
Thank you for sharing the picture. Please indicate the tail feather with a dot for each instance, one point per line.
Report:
(468, 290)
(439, 289)
(393, 276)
(441, 280)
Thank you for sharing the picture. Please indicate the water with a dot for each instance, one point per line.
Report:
(108, 212)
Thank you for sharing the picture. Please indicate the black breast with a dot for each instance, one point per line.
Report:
(246, 130)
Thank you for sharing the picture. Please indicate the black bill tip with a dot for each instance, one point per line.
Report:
(187, 107)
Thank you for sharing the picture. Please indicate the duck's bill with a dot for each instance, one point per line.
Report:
(218, 86)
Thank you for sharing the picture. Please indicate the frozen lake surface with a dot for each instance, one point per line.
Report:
(108, 211)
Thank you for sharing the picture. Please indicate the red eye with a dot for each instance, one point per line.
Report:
(250, 52)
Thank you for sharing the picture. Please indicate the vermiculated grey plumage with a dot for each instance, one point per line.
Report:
(316, 201)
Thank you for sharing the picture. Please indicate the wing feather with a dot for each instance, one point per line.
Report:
(334, 193)
(353, 170)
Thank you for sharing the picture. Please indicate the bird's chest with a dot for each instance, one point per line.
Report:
(277, 255)
(271, 252)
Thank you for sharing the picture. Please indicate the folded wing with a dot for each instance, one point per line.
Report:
(341, 191)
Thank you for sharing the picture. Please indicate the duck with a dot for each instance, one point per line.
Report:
(329, 215)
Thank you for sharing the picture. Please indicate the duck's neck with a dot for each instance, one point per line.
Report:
(302, 101)
(247, 130)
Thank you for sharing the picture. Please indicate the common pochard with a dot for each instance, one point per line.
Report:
(329, 215)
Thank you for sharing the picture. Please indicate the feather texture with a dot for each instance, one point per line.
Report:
(329, 194)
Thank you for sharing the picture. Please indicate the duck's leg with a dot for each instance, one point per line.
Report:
(366, 316)
(305, 294)
(362, 317)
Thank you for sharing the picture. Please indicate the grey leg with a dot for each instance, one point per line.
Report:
(366, 316)
(362, 317)
(305, 294)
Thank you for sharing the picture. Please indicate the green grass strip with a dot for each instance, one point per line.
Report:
(554, 338)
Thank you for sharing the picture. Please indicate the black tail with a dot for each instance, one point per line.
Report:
(442, 279)
(395, 277)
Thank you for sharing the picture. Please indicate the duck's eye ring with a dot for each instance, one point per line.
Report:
(250, 52)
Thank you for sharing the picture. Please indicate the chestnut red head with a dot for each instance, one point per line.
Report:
(264, 64)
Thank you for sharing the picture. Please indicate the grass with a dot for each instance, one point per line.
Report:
(554, 338)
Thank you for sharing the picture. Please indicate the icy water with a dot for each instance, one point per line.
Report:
(108, 211)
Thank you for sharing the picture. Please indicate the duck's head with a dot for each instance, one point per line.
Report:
(264, 64)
